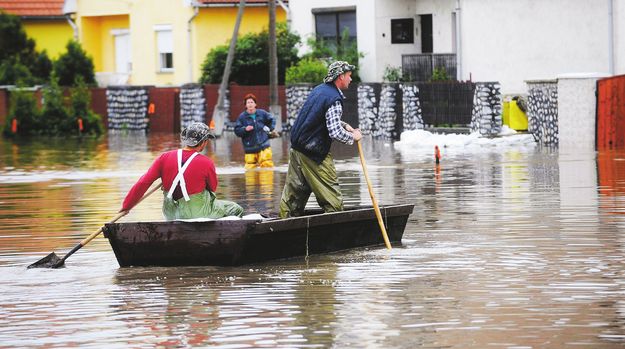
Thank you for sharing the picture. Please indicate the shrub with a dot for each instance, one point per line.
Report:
(24, 110)
(14, 43)
(20, 63)
(251, 63)
(15, 73)
(79, 108)
(213, 66)
(54, 117)
(440, 74)
(328, 51)
(309, 70)
(42, 67)
(73, 63)
(393, 74)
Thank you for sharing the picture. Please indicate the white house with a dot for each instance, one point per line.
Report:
(509, 41)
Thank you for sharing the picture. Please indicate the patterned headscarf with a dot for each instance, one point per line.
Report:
(194, 134)
(337, 68)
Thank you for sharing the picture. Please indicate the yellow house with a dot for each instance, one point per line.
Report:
(160, 42)
(43, 21)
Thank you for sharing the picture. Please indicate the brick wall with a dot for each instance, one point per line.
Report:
(4, 106)
(238, 92)
(166, 115)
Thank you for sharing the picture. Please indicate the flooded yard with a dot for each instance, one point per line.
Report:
(510, 245)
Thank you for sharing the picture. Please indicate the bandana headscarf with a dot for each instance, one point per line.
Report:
(337, 68)
(194, 134)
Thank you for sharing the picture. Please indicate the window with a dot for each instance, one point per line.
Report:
(331, 25)
(165, 47)
(402, 31)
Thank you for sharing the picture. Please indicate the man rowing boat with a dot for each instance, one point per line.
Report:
(189, 180)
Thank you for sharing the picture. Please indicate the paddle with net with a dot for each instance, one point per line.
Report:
(53, 261)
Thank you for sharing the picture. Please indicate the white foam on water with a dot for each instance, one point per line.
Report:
(423, 142)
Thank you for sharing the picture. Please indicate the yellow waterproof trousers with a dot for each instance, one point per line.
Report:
(261, 159)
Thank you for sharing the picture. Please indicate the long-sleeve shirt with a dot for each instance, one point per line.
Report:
(198, 176)
(335, 125)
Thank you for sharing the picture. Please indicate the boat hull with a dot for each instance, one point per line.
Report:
(237, 242)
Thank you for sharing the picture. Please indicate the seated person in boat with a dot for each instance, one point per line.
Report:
(189, 180)
(311, 166)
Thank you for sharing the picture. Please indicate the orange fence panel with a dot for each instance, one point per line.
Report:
(611, 112)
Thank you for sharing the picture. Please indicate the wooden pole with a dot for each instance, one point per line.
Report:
(375, 203)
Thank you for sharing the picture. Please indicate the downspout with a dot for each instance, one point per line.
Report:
(458, 42)
(73, 25)
(288, 13)
(611, 36)
(196, 11)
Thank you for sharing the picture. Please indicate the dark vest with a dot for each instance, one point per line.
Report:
(309, 134)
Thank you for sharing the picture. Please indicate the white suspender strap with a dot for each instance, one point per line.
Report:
(180, 177)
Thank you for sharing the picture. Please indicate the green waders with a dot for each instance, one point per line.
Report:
(305, 176)
(200, 205)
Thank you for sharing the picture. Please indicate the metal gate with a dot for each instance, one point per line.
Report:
(611, 112)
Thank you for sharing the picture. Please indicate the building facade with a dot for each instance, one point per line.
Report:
(164, 42)
(509, 41)
(44, 21)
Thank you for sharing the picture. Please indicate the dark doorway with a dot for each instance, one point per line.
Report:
(426, 34)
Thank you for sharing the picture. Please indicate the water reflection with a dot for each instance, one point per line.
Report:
(508, 247)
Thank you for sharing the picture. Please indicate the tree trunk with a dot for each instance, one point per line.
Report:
(274, 106)
(219, 113)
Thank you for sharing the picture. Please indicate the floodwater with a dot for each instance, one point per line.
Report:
(508, 247)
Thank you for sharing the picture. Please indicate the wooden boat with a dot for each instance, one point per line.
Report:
(236, 242)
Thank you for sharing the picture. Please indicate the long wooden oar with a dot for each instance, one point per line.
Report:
(375, 203)
(53, 261)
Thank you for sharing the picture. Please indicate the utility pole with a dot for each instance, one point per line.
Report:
(274, 106)
(219, 113)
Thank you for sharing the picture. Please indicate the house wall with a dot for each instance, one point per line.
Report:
(96, 39)
(511, 41)
(143, 17)
(389, 54)
(303, 23)
(619, 36)
(213, 27)
(442, 26)
(51, 36)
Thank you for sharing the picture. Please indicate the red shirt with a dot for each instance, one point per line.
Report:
(198, 176)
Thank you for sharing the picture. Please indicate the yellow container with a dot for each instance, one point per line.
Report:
(516, 117)
(505, 115)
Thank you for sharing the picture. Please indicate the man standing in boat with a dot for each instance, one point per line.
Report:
(311, 166)
(189, 180)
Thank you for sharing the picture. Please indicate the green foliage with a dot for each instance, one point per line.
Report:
(393, 74)
(15, 73)
(20, 63)
(251, 62)
(213, 66)
(14, 43)
(79, 108)
(329, 51)
(440, 74)
(58, 115)
(73, 63)
(308, 70)
(42, 67)
(24, 109)
(55, 119)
